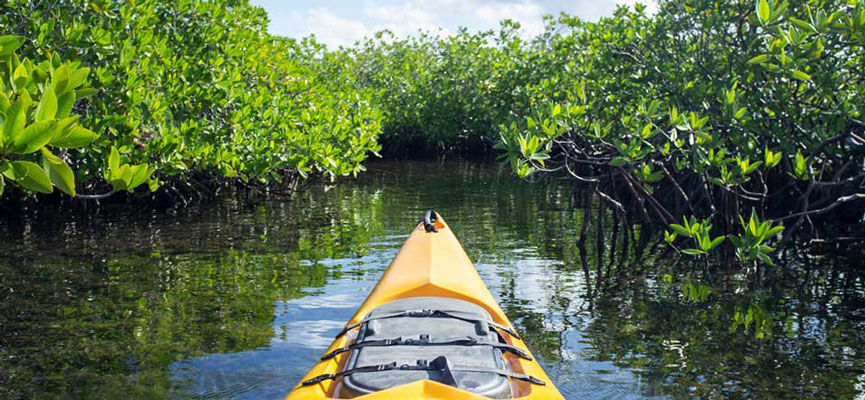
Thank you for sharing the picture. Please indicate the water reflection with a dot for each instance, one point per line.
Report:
(238, 299)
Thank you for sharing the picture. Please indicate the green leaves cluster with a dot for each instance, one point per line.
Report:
(750, 245)
(127, 177)
(448, 93)
(195, 87)
(700, 232)
(36, 120)
(697, 92)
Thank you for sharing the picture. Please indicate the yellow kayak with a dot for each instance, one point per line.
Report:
(429, 330)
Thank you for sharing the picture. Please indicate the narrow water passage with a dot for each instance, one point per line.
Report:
(238, 299)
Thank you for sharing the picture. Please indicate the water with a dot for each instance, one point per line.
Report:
(238, 298)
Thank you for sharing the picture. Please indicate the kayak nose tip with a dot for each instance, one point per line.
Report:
(432, 221)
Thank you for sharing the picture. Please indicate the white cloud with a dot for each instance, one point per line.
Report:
(404, 18)
(336, 30)
(328, 27)
(342, 22)
(446, 16)
(529, 15)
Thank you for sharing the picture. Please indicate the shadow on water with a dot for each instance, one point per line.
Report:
(238, 298)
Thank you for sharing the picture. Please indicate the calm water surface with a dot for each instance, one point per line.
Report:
(238, 298)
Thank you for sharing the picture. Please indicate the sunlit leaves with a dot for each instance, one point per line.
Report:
(801, 169)
(760, 59)
(10, 43)
(646, 174)
(25, 129)
(670, 237)
(47, 106)
(801, 75)
(30, 176)
(15, 121)
(123, 176)
(770, 158)
(700, 233)
(763, 11)
(749, 245)
(59, 172)
(33, 137)
(264, 109)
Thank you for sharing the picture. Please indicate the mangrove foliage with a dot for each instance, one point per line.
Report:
(727, 124)
(182, 93)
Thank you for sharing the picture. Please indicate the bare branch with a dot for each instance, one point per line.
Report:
(840, 201)
(94, 196)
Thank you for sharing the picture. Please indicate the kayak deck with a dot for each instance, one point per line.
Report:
(419, 332)
(431, 292)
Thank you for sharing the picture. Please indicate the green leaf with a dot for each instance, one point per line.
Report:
(19, 77)
(766, 259)
(10, 43)
(140, 174)
(59, 172)
(2, 123)
(679, 229)
(85, 92)
(2, 185)
(4, 102)
(49, 157)
(737, 241)
(774, 231)
(16, 119)
(60, 79)
(801, 75)
(36, 179)
(670, 237)
(13, 171)
(763, 10)
(647, 131)
(65, 104)
(47, 108)
(618, 161)
(33, 137)
(802, 24)
(530, 123)
(717, 241)
(77, 137)
(752, 225)
(759, 59)
(800, 168)
(114, 164)
(693, 252)
(77, 78)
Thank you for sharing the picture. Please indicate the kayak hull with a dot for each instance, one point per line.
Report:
(429, 264)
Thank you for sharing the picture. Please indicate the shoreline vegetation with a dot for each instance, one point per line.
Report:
(725, 126)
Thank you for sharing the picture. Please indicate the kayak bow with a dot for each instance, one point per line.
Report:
(430, 329)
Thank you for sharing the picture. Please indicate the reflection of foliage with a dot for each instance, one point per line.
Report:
(111, 329)
(151, 311)
(707, 342)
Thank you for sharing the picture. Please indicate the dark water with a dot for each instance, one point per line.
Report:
(238, 299)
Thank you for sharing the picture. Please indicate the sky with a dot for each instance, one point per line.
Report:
(342, 22)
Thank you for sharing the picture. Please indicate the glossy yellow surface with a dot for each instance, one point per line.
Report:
(428, 264)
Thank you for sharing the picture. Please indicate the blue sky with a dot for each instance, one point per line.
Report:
(342, 22)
